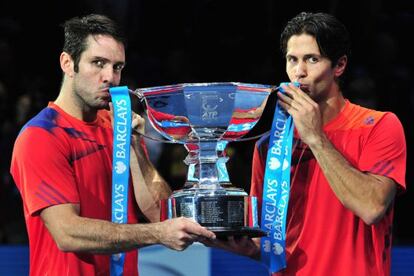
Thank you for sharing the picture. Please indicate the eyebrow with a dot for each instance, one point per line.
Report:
(305, 56)
(107, 60)
(120, 63)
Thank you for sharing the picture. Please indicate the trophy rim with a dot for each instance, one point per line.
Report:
(260, 87)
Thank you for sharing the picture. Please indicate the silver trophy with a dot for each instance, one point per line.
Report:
(205, 117)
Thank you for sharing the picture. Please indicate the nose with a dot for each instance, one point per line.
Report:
(300, 71)
(108, 75)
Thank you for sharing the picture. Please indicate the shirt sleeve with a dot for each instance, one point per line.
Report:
(385, 151)
(41, 168)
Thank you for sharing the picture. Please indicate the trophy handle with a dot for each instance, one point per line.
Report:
(137, 93)
(252, 138)
(161, 140)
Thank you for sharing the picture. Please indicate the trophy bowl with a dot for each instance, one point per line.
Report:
(205, 117)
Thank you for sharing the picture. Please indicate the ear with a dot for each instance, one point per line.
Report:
(66, 64)
(340, 66)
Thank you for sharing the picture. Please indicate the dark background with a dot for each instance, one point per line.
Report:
(201, 41)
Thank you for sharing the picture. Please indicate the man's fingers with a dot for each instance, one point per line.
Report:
(194, 228)
(286, 103)
(138, 123)
(203, 232)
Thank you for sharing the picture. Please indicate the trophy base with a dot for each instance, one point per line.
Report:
(226, 212)
(251, 232)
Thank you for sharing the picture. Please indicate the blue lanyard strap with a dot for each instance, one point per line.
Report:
(276, 190)
(120, 165)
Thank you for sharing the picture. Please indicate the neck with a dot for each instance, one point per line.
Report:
(73, 105)
(331, 107)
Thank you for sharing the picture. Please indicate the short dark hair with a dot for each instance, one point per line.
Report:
(77, 29)
(331, 35)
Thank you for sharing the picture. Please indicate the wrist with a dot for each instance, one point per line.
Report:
(318, 142)
(136, 136)
(157, 233)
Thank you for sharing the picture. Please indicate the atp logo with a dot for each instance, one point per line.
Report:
(274, 163)
(120, 167)
(277, 248)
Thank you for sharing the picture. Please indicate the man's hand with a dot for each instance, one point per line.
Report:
(138, 123)
(179, 233)
(305, 113)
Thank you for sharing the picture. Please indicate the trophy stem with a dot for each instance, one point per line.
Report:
(202, 160)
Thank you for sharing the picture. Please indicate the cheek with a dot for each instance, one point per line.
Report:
(117, 79)
(322, 75)
(291, 73)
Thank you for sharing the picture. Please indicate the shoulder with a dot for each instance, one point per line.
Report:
(367, 120)
(375, 124)
(41, 132)
(390, 119)
(378, 120)
(46, 119)
(363, 117)
(42, 125)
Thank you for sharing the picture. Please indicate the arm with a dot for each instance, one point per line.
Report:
(73, 233)
(149, 186)
(367, 195)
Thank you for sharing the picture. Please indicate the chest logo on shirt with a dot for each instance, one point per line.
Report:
(369, 120)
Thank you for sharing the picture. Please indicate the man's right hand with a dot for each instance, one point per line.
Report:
(179, 233)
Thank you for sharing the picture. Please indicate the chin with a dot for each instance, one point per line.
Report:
(104, 106)
(101, 105)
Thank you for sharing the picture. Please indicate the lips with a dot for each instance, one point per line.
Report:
(304, 88)
(104, 95)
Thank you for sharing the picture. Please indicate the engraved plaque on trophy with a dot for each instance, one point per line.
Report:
(205, 117)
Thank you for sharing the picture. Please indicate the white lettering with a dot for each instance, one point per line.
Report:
(121, 128)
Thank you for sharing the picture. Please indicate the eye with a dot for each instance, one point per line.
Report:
(100, 63)
(291, 59)
(313, 59)
(119, 67)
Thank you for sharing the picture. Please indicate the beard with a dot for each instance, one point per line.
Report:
(91, 99)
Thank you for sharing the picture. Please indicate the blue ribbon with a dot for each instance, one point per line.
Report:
(120, 165)
(276, 190)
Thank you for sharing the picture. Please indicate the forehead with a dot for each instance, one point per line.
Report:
(303, 44)
(104, 46)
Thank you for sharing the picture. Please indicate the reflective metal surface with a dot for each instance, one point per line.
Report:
(193, 112)
(204, 117)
